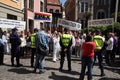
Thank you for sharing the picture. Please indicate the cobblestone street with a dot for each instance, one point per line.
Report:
(52, 73)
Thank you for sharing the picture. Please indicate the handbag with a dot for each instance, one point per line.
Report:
(43, 50)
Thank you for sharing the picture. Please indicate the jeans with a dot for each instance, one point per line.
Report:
(40, 60)
(86, 62)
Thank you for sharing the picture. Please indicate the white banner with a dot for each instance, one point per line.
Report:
(101, 22)
(7, 23)
(69, 24)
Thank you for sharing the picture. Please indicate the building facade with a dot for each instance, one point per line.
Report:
(31, 7)
(102, 9)
(55, 8)
(12, 9)
(70, 10)
(84, 10)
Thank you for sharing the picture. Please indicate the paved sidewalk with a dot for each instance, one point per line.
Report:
(52, 73)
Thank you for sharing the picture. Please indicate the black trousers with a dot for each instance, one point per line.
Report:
(108, 56)
(1, 58)
(32, 55)
(99, 56)
(68, 53)
(1, 54)
(22, 50)
(15, 52)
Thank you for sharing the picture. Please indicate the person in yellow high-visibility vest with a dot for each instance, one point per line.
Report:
(99, 41)
(33, 46)
(65, 43)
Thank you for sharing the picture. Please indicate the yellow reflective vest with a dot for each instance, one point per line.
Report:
(33, 40)
(99, 42)
(66, 38)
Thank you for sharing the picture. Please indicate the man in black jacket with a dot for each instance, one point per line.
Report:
(15, 49)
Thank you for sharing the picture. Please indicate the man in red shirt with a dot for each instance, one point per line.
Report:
(87, 57)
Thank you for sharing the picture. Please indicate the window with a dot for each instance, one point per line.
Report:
(10, 16)
(104, 2)
(51, 10)
(15, 0)
(84, 6)
(101, 2)
(41, 6)
(100, 15)
(97, 2)
(41, 25)
(57, 11)
(31, 4)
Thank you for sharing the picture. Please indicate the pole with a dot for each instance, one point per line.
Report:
(116, 10)
(50, 26)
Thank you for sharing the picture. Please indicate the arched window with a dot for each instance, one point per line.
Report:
(57, 11)
(51, 10)
(100, 15)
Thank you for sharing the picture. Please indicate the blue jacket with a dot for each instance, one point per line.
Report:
(1, 46)
(42, 39)
(1, 42)
(15, 40)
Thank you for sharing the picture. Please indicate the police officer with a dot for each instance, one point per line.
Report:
(65, 43)
(33, 46)
(15, 49)
(99, 41)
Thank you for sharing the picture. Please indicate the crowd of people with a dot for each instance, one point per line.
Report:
(86, 46)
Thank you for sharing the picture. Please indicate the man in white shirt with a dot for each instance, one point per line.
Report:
(109, 48)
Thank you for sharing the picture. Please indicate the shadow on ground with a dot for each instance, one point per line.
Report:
(105, 78)
(114, 67)
(61, 77)
(20, 71)
(64, 71)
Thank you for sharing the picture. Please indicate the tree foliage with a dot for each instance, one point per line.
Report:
(105, 29)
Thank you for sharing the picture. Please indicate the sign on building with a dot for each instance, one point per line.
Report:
(69, 24)
(101, 22)
(44, 17)
(7, 23)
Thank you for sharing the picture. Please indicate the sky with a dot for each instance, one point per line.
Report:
(62, 1)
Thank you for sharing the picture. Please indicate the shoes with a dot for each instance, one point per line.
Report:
(54, 61)
(41, 72)
(69, 70)
(60, 70)
(34, 71)
(102, 74)
(1, 63)
(86, 73)
(12, 65)
(31, 65)
(19, 65)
